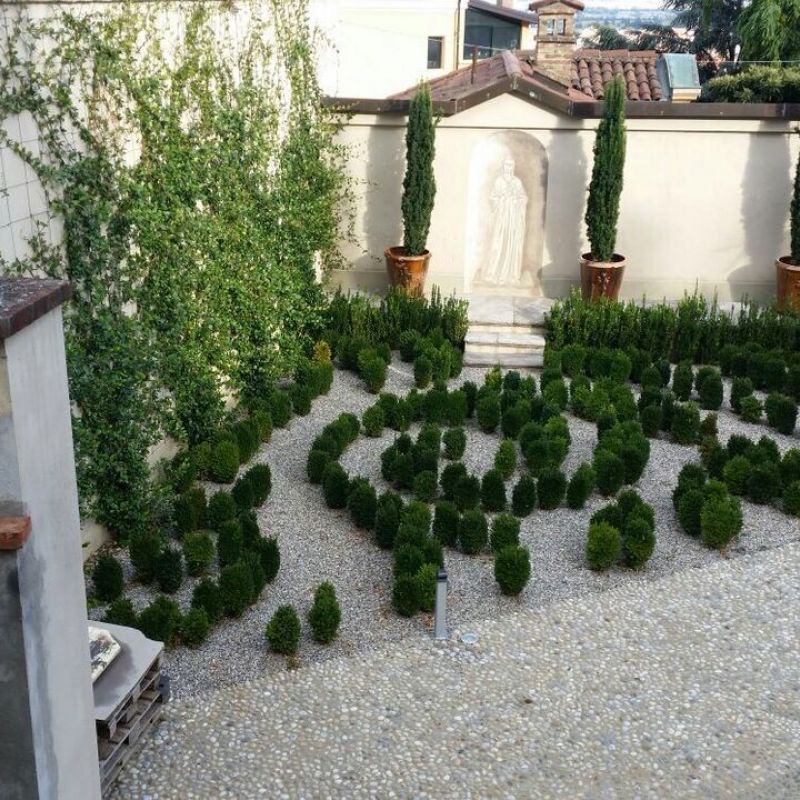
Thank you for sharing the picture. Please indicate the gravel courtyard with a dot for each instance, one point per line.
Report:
(687, 688)
(319, 544)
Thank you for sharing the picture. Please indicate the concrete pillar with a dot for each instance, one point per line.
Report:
(48, 745)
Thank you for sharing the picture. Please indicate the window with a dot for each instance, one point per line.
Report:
(561, 27)
(556, 27)
(435, 51)
(488, 34)
(551, 27)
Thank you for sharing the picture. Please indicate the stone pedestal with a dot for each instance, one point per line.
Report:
(48, 748)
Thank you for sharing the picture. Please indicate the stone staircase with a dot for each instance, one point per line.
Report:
(506, 331)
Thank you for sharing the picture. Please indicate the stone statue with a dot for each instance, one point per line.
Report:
(509, 203)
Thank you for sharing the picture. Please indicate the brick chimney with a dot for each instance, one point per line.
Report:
(555, 37)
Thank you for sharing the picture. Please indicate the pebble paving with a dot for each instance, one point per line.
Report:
(685, 687)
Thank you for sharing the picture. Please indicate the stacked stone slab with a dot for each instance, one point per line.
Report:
(506, 331)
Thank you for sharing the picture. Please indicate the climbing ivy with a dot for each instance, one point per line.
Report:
(199, 184)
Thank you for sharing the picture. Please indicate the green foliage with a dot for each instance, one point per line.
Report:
(121, 612)
(524, 496)
(790, 466)
(194, 627)
(740, 388)
(224, 461)
(551, 488)
(451, 475)
(685, 427)
(556, 394)
(580, 486)
(406, 595)
(426, 486)
(750, 409)
(107, 578)
(513, 418)
(455, 443)
(242, 493)
(373, 370)
(426, 581)
(456, 408)
(221, 509)
(207, 596)
(493, 491)
(325, 614)
(423, 372)
(689, 509)
(160, 621)
(445, 523)
(609, 471)
(169, 570)
(682, 381)
(602, 209)
(230, 542)
(720, 520)
(505, 459)
(362, 502)
(236, 588)
(374, 420)
(473, 532)
(638, 542)
(419, 185)
(755, 84)
(791, 499)
(144, 548)
(770, 30)
(283, 631)
(505, 532)
(260, 478)
(189, 510)
(335, 485)
(603, 546)
(650, 420)
(301, 397)
(711, 391)
(781, 413)
(764, 483)
(280, 407)
(198, 552)
(736, 474)
(512, 569)
(467, 492)
(408, 558)
(487, 410)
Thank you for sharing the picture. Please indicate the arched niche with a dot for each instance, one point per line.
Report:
(505, 215)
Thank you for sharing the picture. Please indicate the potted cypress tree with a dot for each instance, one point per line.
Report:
(602, 269)
(788, 267)
(408, 265)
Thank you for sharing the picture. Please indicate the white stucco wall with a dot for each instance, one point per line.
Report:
(705, 202)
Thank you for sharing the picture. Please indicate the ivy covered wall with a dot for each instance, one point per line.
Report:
(190, 187)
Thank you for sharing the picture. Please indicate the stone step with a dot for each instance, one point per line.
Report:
(479, 340)
(505, 359)
(500, 310)
(496, 327)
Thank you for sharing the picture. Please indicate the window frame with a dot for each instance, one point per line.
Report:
(440, 41)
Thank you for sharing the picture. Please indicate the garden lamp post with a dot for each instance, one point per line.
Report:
(440, 615)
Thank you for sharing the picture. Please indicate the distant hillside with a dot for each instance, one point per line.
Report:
(623, 14)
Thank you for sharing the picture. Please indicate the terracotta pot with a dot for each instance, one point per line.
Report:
(406, 270)
(601, 278)
(788, 275)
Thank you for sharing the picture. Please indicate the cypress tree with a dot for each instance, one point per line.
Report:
(602, 209)
(419, 185)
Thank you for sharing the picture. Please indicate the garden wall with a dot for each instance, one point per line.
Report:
(706, 202)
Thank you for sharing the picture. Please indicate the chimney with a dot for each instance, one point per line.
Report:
(555, 37)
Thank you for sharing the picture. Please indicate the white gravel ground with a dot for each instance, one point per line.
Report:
(319, 544)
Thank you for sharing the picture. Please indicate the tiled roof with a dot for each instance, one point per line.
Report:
(593, 69)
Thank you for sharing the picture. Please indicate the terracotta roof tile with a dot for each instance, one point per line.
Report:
(593, 69)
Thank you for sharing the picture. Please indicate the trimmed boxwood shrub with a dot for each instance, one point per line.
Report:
(514, 417)
(372, 369)
(505, 459)
(505, 532)
(224, 462)
(362, 502)
(374, 420)
(750, 409)
(189, 510)
(335, 485)
(764, 483)
(247, 438)
(691, 476)
(667, 410)
(651, 378)
(301, 397)
(792, 383)
(169, 570)
(242, 493)
(791, 499)
(736, 474)
(445, 523)
(609, 472)
(790, 466)
(283, 630)
(315, 465)
(426, 581)
(638, 542)
(740, 388)
(207, 595)
(603, 545)
(451, 475)
(455, 443)
(260, 478)
(467, 493)
(556, 394)
(487, 411)
(107, 578)
(406, 595)
(739, 445)
(221, 509)
(714, 456)
(251, 533)
(194, 627)
(408, 558)
(424, 458)
(683, 380)
(720, 520)
(473, 532)
(408, 343)
(144, 548)
(493, 491)
(263, 421)
(426, 485)
(711, 391)
(198, 552)
(551, 488)
(280, 407)
(121, 612)
(650, 419)
(580, 486)
(387, 519)
(781, 413)
(423, 372)
(236, 588)
(456, 408)
(572, 359)
(269, 552)
(430, 437)
(230, 542)
(685, 427)
(524, 496)
(512, 569)
(325, 614)
(689, 508)
(160, 621)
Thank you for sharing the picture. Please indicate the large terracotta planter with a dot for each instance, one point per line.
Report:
(406, 270)
(601, 278)
(788, 275)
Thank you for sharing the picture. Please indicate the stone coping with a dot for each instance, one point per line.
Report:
(24, 300)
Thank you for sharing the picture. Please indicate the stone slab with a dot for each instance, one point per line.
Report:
(504, 340)
(491, 359)
(508, 310)
(24, 300)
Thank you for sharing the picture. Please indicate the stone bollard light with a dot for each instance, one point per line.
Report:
(440, 613)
